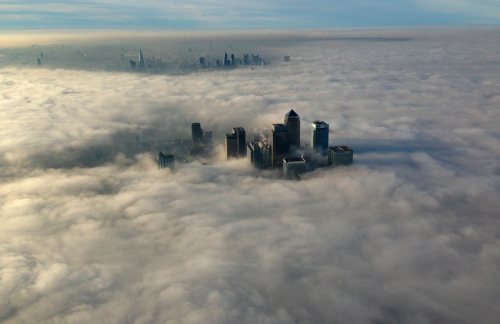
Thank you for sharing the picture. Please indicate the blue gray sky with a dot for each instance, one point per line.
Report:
(203, 14)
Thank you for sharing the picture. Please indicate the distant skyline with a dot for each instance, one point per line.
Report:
(206, 14)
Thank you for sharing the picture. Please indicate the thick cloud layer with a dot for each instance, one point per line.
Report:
(408, 234)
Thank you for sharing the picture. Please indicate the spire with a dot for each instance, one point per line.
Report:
(291, 113)
(141, 59)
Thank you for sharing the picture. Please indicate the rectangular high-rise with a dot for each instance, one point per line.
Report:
(319, 136)
(254, 154)
(164, 161)
(241, 139)
(340, 155)
(293, 167)
(280, 144)
(292, 120)
(231, 145)
(196, 134)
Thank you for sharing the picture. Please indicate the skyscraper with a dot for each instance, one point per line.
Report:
(294, 167)
(242, 144)
(254, 154)
(319, 136)
(141, 60)
(196, 134)
(231, 145)
(164, 161)
(279, 144)
(340, 155)
(292, 120)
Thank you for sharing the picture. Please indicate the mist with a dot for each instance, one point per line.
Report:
(409, 233)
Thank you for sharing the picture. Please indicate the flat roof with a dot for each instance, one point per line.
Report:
(340, 148)
(294, 159)
(319, 122)
(239, 129)
(231, 135)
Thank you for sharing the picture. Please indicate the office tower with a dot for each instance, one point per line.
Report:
(231, 145)
(202, 61)
(279, 144)
(340, 155)
(254, 154)
(207, 137)
(266, 158)
(196, 134)
(245, 59)
(232, 59)
(165, 161)
(242, 144)
(292, 120)
(38, 62)
(141, 60)
(287, 58)
(133, 64)
(319, 136)
(293, 167)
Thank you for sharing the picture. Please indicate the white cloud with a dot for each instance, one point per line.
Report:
(408, 234)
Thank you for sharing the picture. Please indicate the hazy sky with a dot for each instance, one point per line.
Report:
(408, 234)
(133, 14)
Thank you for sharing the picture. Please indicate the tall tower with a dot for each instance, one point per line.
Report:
(241, 139)
(231, 145)
(196, 134)
(292, 120)
(319, 136)
(279, 144)
(141, 60)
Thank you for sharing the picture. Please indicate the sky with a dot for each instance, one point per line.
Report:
(215, 14)
(409, 233)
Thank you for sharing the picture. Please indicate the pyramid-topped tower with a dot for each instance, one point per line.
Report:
(292, 120)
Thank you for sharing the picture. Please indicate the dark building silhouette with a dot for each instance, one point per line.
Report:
(141, 60)
(133, 64)
(242, 144)
(196, 134)
(340, 155)
(319, 136)
(231, 145)
(292, 120)
(259, 155)
(207, 137)
(164, 161)
(294, 167)
(279, 144)
(38, 62)
(287, 58)
(202, 61)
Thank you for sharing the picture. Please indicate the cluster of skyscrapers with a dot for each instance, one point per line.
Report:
(284, 146)
(248, 59)
(282, 151)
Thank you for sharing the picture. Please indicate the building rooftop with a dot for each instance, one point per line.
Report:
(231, 135)
(340, 148)
(160, 154)
(294, 159)
(238, 129)
(291, 113)
(280, 127)
(318, 122)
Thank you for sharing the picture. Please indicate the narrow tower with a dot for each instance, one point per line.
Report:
(319, 136)
(292, 120)
(141, 60)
